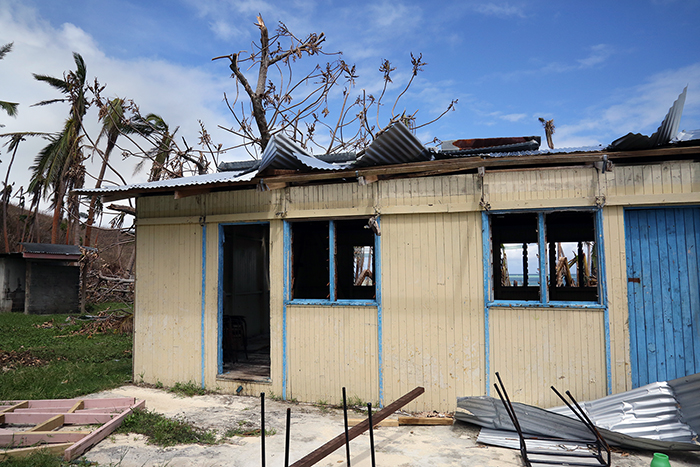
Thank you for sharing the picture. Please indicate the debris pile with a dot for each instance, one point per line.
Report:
(11, 360)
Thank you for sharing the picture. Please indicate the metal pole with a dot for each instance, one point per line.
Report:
(286, 444)
(371, 431)
(262, 426)
(347, 440)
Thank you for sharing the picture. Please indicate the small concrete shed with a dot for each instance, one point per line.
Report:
(42, 279)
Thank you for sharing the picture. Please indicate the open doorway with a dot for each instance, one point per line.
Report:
(245, 320)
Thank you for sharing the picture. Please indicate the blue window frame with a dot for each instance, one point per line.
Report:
(332, 262)
(544, 258)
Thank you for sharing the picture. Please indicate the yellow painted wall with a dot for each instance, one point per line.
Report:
(330, 348)
(167, 317)
(433, 307)
(433, 304)
(533, 349)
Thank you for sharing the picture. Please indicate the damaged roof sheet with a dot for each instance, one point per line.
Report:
(649, 417)
(397, 145)
(174, 183)
(283, 153)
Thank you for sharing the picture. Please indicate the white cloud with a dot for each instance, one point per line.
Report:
(639, 109)
(500, 9)
(181, 95)
(599, 54)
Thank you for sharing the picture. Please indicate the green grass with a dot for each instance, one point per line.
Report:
(72, 364)
(43, 459)
(164, 431)
(247, 432)
(187, 389)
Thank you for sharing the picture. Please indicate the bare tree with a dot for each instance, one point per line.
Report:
(295, 106)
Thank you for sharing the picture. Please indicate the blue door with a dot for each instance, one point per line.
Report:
(663, 291)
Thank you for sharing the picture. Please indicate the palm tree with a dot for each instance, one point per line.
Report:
(163, 149)
(9, 107)
(59, 166)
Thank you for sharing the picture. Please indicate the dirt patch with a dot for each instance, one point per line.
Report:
(311, 426)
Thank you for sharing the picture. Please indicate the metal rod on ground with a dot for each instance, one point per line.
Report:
(347, 440)
(371, 431)
(262, 426)
(337, 442)
(286, 443)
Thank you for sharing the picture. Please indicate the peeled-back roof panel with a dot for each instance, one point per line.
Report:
(283, 153)
(397, 145)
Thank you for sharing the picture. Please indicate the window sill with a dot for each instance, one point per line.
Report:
(307, 302)
(234, 378)
(532, 304)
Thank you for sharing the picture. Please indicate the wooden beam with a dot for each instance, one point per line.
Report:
(101, 433)
(402, 421)
(56, 449)
(184, 192)
(428, 421)
(78, 406)
(390, 422)
(48, 425)
(357, 430)
(81, 418)
(23, 438)
(12, 408)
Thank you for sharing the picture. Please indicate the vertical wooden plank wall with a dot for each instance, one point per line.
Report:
(533, 349)
(332, 347)
(432, 307)
(433, 304)
(616, 270)
(167, 304)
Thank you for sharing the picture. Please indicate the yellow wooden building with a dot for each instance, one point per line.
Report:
(411, 268)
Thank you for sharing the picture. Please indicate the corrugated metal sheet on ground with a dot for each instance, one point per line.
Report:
(650, 417)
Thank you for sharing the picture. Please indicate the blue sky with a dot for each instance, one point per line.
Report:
(599, 69)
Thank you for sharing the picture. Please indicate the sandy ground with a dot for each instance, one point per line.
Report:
(311, 427)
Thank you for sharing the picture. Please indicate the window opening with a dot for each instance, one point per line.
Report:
(354, 260)
(310, 260)
(516, 259)
(351, 254)
(571, 256)
(245, 325)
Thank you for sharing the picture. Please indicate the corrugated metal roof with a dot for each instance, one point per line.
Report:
(51, 249)
(650, 417)
(669, 127)
(397, 145)
(662, 136)
(651, 411)
(687, 136)
(208, 179)
(283, 153)
(687, 390)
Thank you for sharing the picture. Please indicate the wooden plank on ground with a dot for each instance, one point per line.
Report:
(68, 419)
(431, 421)
(23, 438)
(78, 406)
(12, 408)
(98, 435)
(357, 430)
(48, 425)
(387, 422)
(56, 449)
